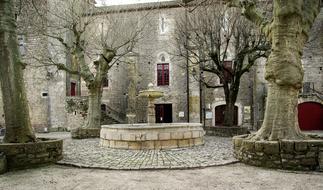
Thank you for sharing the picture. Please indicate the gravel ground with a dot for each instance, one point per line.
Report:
(230, 177)
(217, 150)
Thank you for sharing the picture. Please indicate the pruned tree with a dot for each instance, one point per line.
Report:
(288, 31)
(222, 44)
(94, 38)
(17, 119)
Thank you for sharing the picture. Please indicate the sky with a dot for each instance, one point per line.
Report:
(124, 2)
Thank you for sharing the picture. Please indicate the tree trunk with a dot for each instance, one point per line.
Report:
(229, 114)
(284, 71)
(94, 109)
(231, 94)
(18, 125)
(281, 121)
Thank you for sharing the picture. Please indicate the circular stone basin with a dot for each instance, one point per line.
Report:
(151, 93)
(152, 136)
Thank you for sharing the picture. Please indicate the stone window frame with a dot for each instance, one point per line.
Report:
(163, 58)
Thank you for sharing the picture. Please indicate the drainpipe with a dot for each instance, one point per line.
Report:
(187, 67)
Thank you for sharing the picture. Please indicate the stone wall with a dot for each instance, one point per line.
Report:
(45, 87)
(152, 46)
(285, 154)
(226, 131)
(85, 133)
(3, 163)
(26, 155)
(312, 55)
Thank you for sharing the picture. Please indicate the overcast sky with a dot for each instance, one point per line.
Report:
(124, 2)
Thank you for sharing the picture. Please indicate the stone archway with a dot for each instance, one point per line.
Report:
(219, 115)
(222, 103)
(310, 116)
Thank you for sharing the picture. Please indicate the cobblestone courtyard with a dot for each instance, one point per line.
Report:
(216, 151)
(87, 153)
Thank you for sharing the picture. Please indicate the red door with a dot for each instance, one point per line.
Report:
(73, 89)
(310, 116)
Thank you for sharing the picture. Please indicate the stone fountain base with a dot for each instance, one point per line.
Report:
(152, 136)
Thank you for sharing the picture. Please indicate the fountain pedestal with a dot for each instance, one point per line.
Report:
(151, 116)
(131, 118)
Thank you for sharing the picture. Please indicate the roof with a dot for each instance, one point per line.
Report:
(136, 7)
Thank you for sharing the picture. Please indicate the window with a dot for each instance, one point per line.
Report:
(163, 74)
(103, 108)
(162, 58)
(162, 25)
(21, 44)
(44, 94)
(227, 76)
(307, 88)
(105, 82)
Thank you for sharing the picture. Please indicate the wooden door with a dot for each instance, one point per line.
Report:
(73, 89)
(219, 115)
(310, 116)
(164, 113)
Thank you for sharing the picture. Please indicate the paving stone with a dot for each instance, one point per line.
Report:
(88, 153)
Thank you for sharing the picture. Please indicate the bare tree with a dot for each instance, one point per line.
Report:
(17, 119)
(222, 44)
(288, 31)
(94, 38)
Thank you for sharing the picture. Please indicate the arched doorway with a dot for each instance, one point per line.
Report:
(219, 115)
(310, 116)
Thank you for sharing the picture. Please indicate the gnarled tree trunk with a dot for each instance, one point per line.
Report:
(18, 126)
(94, 85)
(288, 33)
(94, 109)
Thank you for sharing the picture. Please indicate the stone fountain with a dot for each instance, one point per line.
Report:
(151, 135)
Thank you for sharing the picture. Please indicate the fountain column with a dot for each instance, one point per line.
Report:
(151, 116)
(132, 71)
(151, 94)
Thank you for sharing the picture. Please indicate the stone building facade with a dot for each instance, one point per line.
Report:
(184, 99)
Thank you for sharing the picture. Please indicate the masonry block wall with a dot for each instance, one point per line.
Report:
(156, 42)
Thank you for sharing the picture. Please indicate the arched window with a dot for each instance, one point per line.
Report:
(162, 58)
(163, 24)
